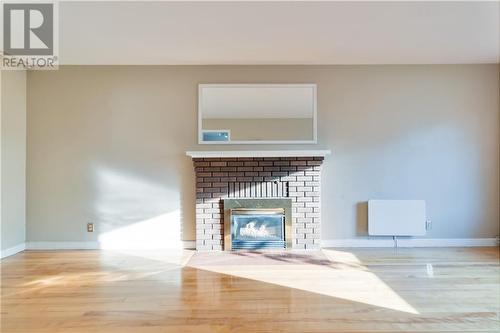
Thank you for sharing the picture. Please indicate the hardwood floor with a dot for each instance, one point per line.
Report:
(333, 290)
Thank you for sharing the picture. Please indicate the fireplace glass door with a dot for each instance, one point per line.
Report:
(257, 228)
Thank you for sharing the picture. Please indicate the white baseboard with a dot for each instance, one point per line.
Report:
(62, 246)
(353, 242)
(410, 242)
(13, 250)
(93, 246)
(189, 245)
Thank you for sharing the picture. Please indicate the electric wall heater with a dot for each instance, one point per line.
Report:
(396, 218)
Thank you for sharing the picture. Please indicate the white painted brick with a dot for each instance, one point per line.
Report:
(304, 231)
(204, 236)
(212, 210)
(203, 205)
(304, 189)
(213, 232)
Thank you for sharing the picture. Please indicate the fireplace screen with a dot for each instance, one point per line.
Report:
(257, 228)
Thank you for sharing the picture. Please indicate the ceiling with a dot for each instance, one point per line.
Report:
(125, 32)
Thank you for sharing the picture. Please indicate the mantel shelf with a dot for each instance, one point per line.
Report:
(257, 153)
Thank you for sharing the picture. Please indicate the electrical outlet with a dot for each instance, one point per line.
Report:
(428, 225)
(90, 227)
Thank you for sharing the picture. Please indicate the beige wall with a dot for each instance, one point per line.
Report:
(107, 144)
(13, 158)
(245, 129)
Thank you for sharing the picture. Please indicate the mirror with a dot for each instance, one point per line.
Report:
(256, 113)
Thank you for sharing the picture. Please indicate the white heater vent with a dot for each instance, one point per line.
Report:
(396, 217)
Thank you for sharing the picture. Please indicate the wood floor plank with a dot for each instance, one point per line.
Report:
(333, 290)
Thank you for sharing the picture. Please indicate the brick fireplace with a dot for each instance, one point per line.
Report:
(293, 175)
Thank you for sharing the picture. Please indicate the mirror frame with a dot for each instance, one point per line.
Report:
(314, 140)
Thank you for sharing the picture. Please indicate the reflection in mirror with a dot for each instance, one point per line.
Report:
(216, 135)
(257, 113)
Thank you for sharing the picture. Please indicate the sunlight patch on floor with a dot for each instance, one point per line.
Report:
(345, 278)
(74, 280)
(118, 266)
(177, 257)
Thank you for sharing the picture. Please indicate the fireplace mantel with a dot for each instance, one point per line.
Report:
(257, 153)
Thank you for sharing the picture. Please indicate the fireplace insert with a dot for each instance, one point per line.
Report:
(257, 228)
(257, 223)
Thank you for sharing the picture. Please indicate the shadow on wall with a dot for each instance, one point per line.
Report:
(362, 218)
